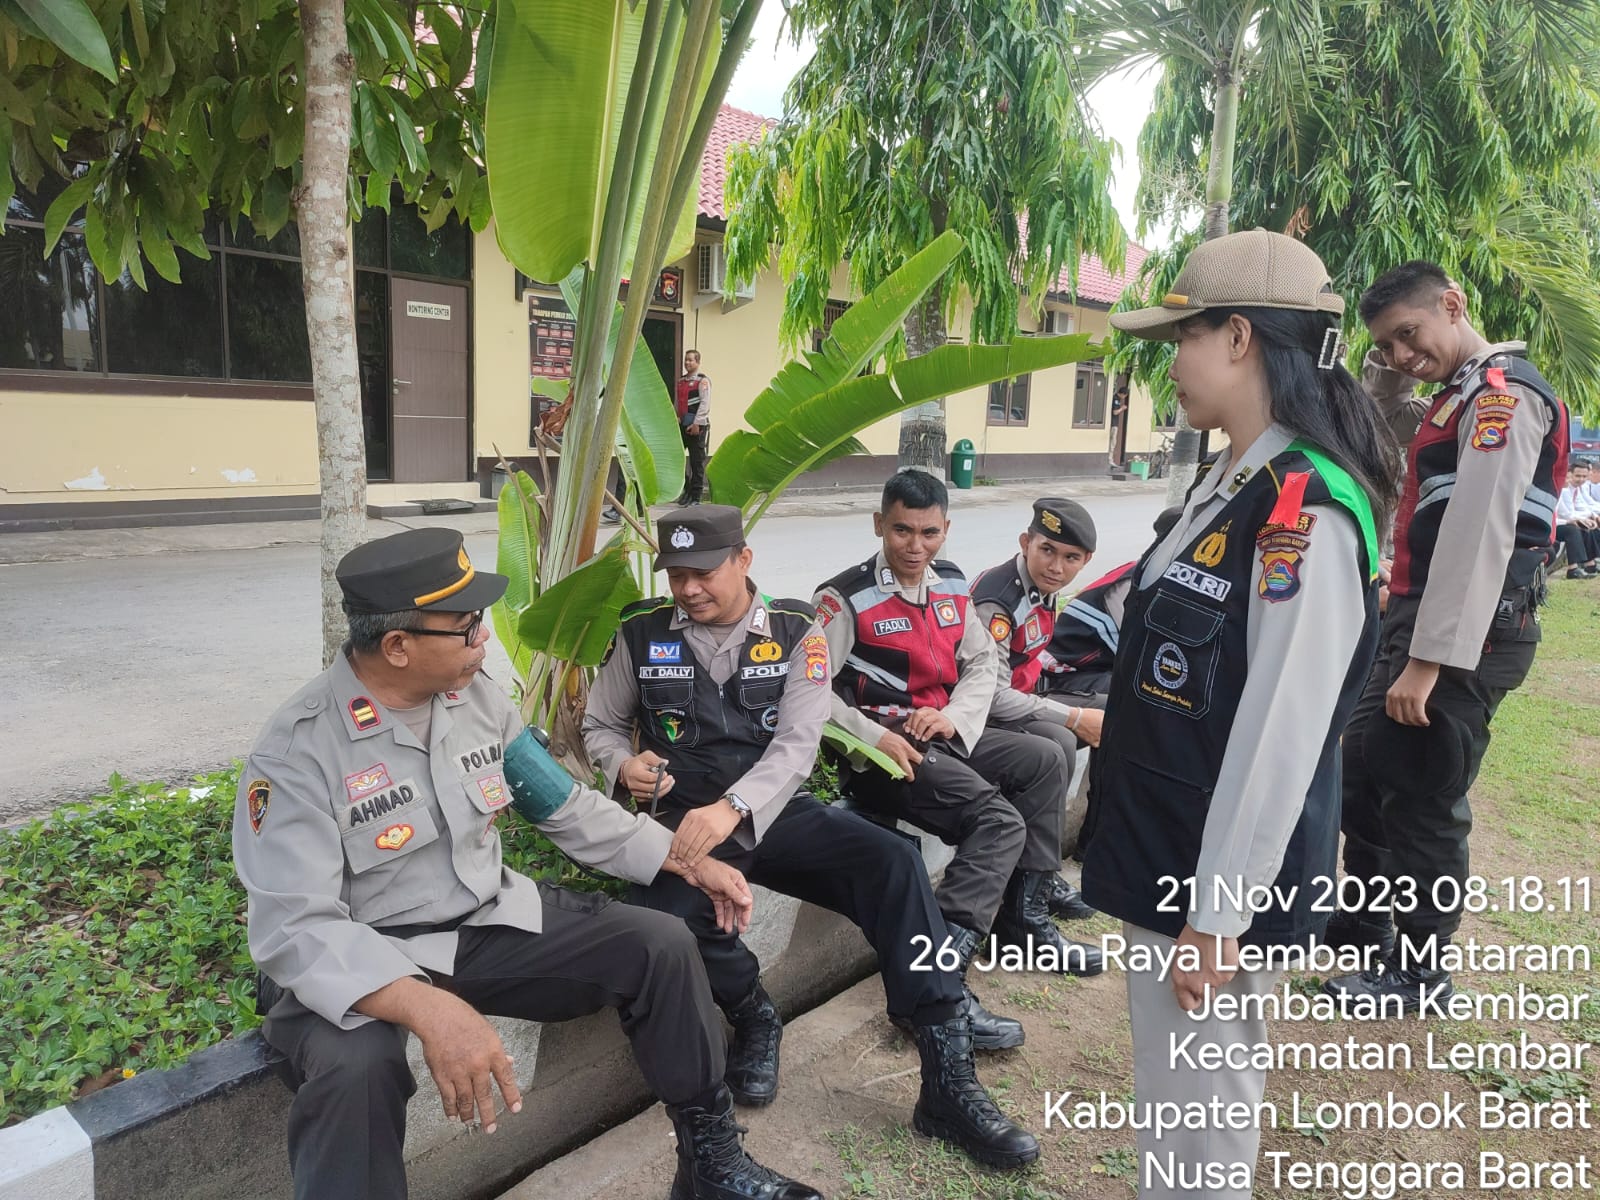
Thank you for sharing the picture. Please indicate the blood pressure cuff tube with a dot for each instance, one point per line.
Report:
(539, 785)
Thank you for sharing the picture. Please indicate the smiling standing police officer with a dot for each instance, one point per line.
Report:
(729, 689)
(366, 838)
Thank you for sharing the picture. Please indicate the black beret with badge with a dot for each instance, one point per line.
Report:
(417, 568)
(700, 537)
(1064, 521)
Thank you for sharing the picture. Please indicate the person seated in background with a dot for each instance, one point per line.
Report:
(729, 689)
(1578, 523)
(915, 675)
(1016, 602)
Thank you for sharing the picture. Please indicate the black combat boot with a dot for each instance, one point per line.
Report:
(1408, 972)
(1067, 902)
(712, 1163)
(989, 1032)
(953, 1105)
(752, 1073)
(1025, 914)
(1361, 930)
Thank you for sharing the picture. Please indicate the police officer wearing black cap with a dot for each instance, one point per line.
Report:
(1016, 602)
(725, 691)
(366, 836)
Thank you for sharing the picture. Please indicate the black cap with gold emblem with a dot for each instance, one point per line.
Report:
(418, 568)
(1063, 521)
(700, 537)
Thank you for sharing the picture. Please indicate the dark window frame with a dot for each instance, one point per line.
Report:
(103, 381)
(1093, 370)
(1003, 396)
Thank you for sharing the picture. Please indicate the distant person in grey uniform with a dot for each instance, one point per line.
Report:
(366, 835)
(1244, 644)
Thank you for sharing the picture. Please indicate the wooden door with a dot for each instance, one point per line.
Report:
(431, 433)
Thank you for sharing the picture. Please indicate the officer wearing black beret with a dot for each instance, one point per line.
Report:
(725, 691)
(1016, 602)
(366, 834)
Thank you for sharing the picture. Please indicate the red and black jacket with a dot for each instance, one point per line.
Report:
(1025, 627)
(904, 657)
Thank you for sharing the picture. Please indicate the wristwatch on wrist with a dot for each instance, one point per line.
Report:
(739, 806)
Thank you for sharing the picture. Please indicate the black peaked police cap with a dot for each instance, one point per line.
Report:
(418, 568)
(700, 537)
(1064, 521)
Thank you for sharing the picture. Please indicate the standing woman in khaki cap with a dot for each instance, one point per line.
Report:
(1244, 645)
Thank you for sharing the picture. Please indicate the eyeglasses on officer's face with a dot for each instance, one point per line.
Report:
(468, 633)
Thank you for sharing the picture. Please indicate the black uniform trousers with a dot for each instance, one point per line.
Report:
(1583, 545)
(347, 1120)
(1402, 818)
(694, 473)
(1055, 731)
(846, 864)
(1000, 807)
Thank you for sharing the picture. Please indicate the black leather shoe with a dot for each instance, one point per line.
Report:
(954, 1107)
(1024, 921)
(1361, 930)
(1410, 983)
(1067, 902)
(752, 1073)
(989, 1031)
(713, 1165)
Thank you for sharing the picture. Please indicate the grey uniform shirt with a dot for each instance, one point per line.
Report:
(1467, 573)
(1298, 653)
(608, 723)
(346, 823)
(1009, 704)
(977, 664)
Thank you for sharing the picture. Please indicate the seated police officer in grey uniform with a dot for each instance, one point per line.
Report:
(366, 838)
(725, 692)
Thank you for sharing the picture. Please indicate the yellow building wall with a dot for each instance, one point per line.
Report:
(500, 353)
(71, 447)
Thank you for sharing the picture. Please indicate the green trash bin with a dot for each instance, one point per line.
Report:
(1139, 468)
(962, 461)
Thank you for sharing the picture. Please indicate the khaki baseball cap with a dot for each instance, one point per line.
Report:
(1254, 269)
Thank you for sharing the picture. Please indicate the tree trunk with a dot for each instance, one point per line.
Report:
(324, 220)
(1219, 191)
(922, 429)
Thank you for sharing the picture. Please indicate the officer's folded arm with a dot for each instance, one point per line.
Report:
(301, 932)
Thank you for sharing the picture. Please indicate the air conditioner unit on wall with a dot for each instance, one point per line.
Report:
(712, 282)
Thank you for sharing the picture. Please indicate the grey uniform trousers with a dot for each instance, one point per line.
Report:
(347, 1120)
(1000, 807)
(1171, 1166)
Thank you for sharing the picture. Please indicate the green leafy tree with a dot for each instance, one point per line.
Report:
(913, 119)
(1210, 52)
(1468, 134)
(141, 117)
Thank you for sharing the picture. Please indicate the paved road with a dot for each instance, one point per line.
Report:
(167, 661)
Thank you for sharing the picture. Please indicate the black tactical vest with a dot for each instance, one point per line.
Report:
(711, 735)
(1175, 688)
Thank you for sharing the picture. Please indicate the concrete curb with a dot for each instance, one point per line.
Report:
(215, 1126)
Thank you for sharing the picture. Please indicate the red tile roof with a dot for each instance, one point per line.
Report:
(732, 126)
(1096, 284)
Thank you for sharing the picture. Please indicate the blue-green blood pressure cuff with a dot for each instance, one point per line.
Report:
(539, 784)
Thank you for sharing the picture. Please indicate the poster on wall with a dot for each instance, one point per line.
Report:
(550, 330)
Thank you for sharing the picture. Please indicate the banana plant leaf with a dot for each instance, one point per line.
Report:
(649, 427)
(518, 561)
(850, 745)
(811, 412)
(558, 86)
(573, 620)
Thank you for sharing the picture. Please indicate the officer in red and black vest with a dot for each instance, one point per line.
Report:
(915, 675)
(1016, 602)
(709, 710)
(1474, 530)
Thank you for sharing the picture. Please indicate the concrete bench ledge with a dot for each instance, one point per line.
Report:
(215, 1127)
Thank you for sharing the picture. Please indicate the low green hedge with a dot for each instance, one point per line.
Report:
(122, 935)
